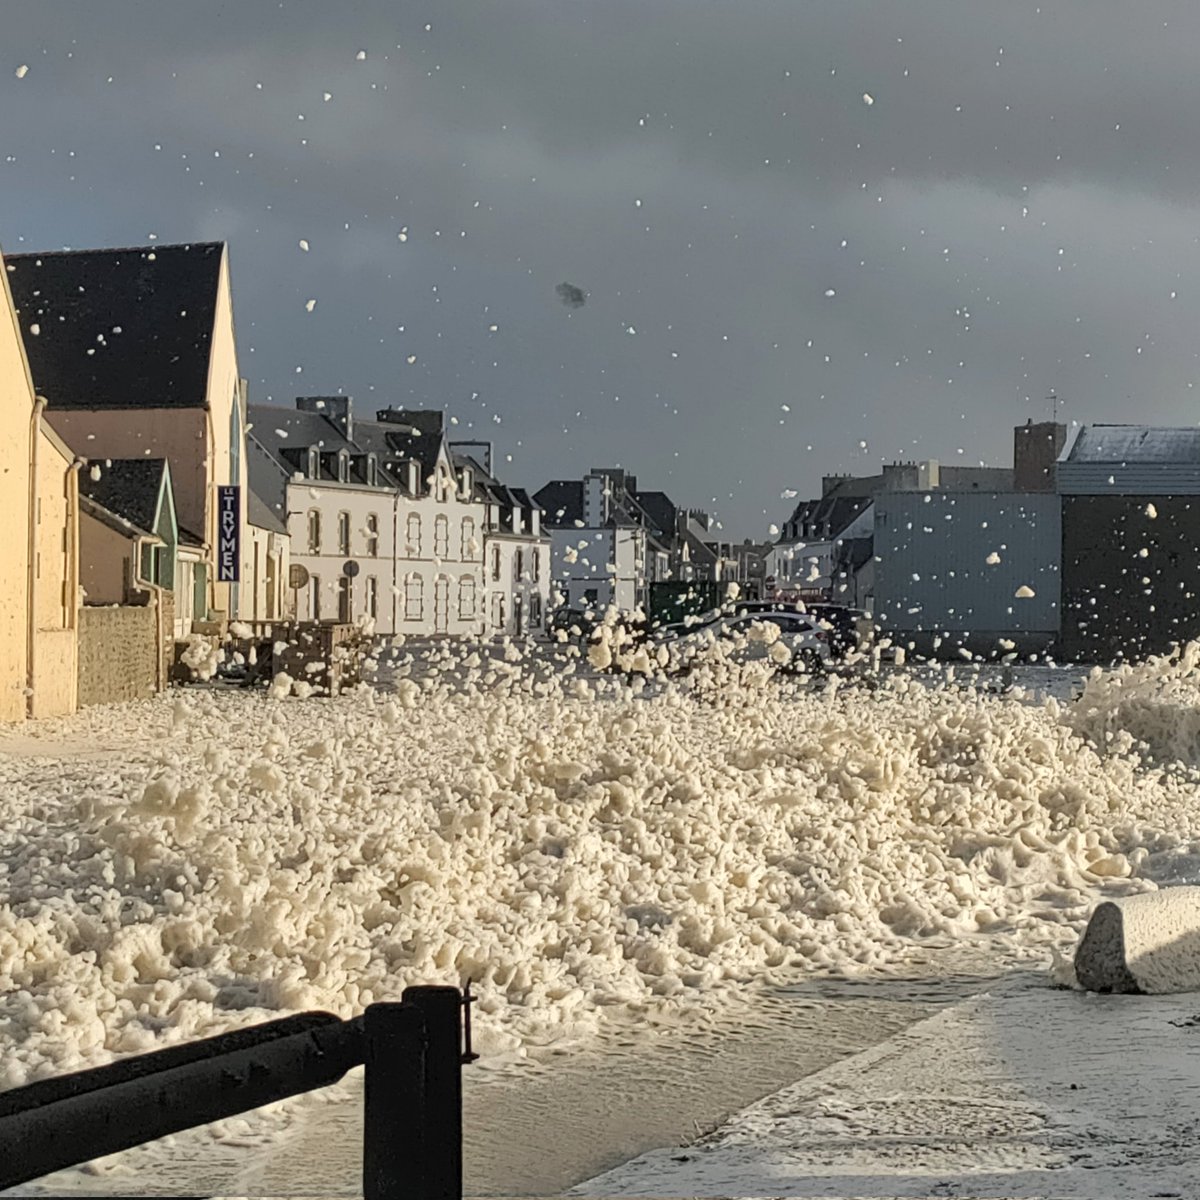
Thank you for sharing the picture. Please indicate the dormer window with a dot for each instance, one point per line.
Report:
(372, 470)
(468, 482)
(343, 466)
(314, 463)
(414, 478)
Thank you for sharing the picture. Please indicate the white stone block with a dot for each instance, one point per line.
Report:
(1144, 943)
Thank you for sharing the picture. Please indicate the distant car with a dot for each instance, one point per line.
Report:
(849, 627)
(790, 640)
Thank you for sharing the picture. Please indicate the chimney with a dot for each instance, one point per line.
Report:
(1035, 451)
(595, 510)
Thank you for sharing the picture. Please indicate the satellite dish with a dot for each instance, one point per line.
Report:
(350, 568)
(297, 575)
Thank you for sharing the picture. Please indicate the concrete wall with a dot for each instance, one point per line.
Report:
(118, 654)
(1130, 586)
(264, 594)
(932, 575)
(55, 692)
(105, 562)
(16, 409)
(55, 580)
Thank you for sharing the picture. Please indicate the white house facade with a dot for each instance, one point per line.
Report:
(394, 531)
(598, 569)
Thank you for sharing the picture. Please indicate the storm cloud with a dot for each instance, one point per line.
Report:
(783, 280)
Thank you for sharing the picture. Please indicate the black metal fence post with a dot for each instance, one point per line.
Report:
(393, 1140)
(440, 1114)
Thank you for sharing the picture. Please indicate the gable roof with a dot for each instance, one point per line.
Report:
(832, 513)
(661, 511)
(128, 487)
(1135, 444)
(118, 329)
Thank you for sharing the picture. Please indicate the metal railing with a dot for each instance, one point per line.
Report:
(413, 1052)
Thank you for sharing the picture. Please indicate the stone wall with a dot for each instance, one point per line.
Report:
(118, 654)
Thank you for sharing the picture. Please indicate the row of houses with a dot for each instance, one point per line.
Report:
(1087, 551)
(612, 541)
(147, 501)
(393, 524)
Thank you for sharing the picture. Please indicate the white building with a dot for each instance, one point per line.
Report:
(605, 553)
(391, 526)
(600, 568)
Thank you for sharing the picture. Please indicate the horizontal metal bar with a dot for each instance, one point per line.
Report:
(127, 1103)
(59, 1087)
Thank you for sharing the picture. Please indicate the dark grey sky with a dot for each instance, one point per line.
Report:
(1017, 210)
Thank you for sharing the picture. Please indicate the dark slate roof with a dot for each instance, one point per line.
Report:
(262, 514)
(1135, 444)
(286, 435)
(266, 505)
(412, 433)
(661, 511)
(127, 487)
(699, 551)
(833, 512)
(119, 328)
(562, 502)
(106, 516)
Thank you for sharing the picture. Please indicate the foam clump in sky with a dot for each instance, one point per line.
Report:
(581, 849)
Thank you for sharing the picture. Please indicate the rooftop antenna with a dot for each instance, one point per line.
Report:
(1052, 396)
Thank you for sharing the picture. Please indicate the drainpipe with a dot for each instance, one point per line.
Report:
(395, 564)
(35, 426)
(73, 525)
(156, 593)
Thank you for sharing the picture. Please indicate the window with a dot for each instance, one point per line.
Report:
(519, 565)
(314, 463)
(343, 466)
(372, 535)
(495, 564)
(414, 598)
(344, 533)
(314, 531)
(372, 586)
(345, 600)
(372, 470)
(466, 598)
(441, 536)
(469, 548)
(537, 565)
(314, 596)
(499, 610)
(412, 533)
(535, 610)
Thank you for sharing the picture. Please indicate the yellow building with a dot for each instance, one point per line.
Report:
(39, 542)
(134, 350)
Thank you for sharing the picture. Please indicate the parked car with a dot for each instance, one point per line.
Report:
(790, 640)
(849, 627)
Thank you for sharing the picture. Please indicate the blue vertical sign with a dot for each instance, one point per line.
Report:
(229, 529)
